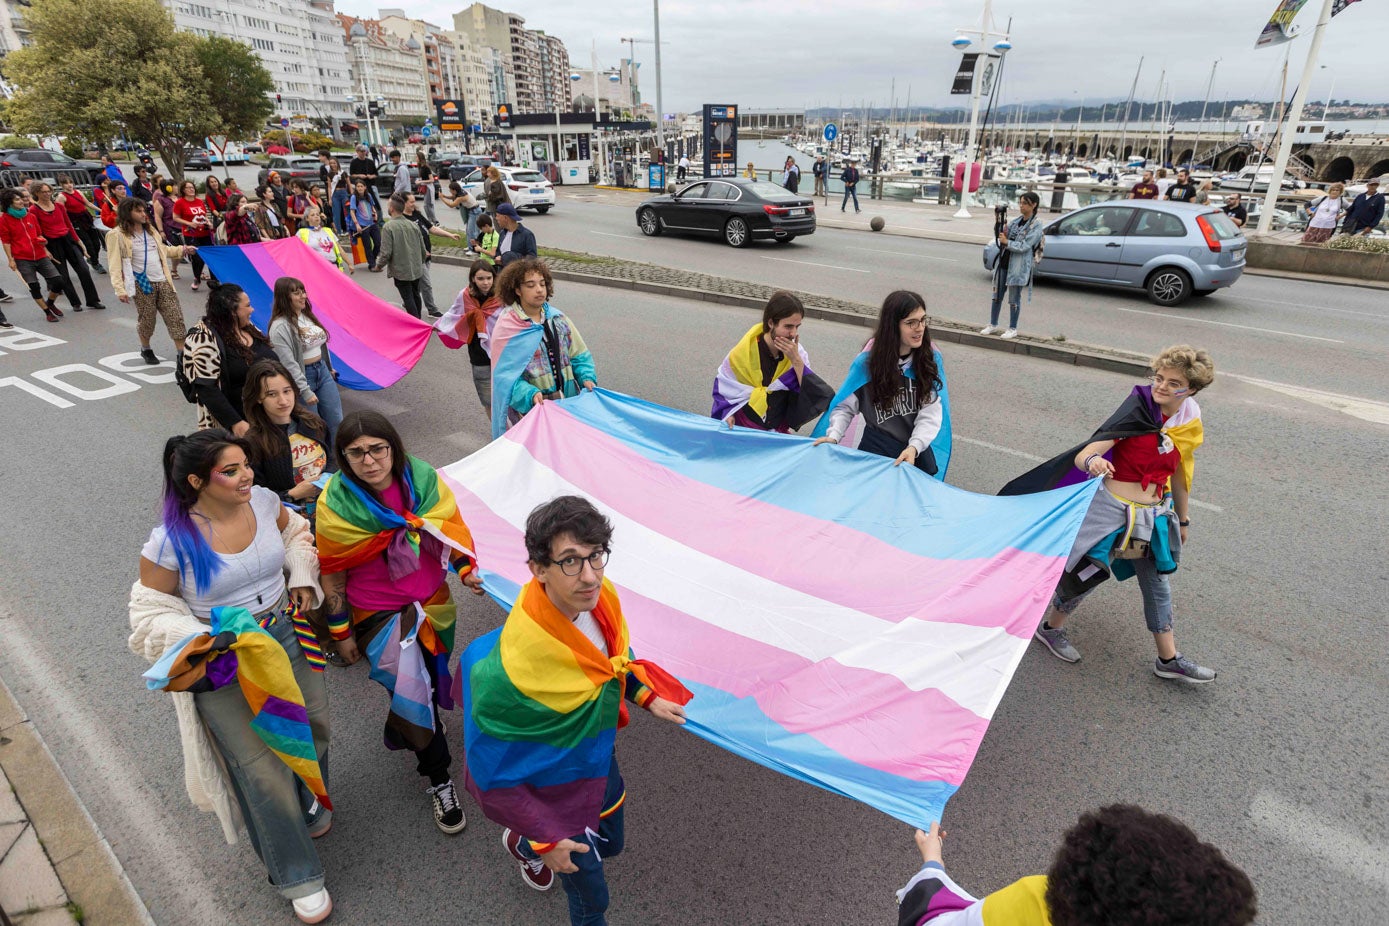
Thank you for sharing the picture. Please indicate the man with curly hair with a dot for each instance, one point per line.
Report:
(1118, 866)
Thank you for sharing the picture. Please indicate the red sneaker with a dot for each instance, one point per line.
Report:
(533, 870)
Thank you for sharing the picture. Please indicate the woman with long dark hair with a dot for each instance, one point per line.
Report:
(289, 444)
(469, 321)
(364, 220)
(141, 271)
(388, 532)
(239, 220)
(215, 196)
(218, 353)
(192, 218)
(67, 249)
(217, 565)
(895, 392)
(766, 382)
(301, 342)
(80, 214)
(270, 215)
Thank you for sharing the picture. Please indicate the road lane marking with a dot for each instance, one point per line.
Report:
(1207, 321)
(1033, 458)
(1321, 308)
(1305, 831)
(1365, 409)
(611, 235)
(953, 260)
(787, 260)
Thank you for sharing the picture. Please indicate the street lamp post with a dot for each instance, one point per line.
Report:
(962, 41)
(1331, 91)
(660, 110)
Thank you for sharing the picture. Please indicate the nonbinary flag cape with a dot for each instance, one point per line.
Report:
(237, 649)
(373, 342)
(848, 624)
(541, 710)
(738, 383)
(855, 380)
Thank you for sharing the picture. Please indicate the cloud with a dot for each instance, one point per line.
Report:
(789, 54)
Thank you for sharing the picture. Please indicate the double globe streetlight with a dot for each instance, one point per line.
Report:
(1001, 45)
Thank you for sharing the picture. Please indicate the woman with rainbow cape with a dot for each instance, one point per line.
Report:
(543, 699)
(388, 532)
(766, 382)
(894, 402)
(537, 353)
(1138, 520)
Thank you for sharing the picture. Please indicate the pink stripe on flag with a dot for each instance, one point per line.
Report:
(808, 697)
(795, 549)
(376, 338)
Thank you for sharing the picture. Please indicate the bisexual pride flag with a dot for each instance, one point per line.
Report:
(373, 342)
(846, 622)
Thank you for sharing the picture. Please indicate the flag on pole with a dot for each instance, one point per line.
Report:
(840, 620)
(1280, 27)
(1339, 5)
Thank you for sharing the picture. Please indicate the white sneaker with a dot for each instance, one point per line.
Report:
(1010, 333)
(315, 908)
(990, 329)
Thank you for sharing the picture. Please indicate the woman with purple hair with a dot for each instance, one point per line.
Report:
(226, 544)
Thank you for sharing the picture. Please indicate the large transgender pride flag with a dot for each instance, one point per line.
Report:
(843, 621)
(373, 342)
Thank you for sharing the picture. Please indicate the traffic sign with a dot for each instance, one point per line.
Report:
(284, 123)
(427, 131)
(831, 131)
(218, 142)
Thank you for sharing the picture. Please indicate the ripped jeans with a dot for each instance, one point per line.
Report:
(1157, 596)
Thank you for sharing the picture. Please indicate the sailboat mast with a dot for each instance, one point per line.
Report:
(1133, 88)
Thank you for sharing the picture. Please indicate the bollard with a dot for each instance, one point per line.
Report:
(876, 223)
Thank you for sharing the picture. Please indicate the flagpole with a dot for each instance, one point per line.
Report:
(1285, 143)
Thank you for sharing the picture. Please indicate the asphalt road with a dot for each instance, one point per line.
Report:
(1281, 761)
(1325, 337)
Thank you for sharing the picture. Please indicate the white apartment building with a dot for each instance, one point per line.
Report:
(556, 94)
(535, 65)
(14, 33)
(298, 41)
(476, 71)
(387, 67)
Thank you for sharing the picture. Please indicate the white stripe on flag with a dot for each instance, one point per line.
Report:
(967, 664)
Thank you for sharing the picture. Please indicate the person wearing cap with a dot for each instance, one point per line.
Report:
(1366, 212)
(518, 241)
(850, 180)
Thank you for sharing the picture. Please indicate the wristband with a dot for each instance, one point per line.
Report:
(1086, 465)
(340, 625)
(1184, 523)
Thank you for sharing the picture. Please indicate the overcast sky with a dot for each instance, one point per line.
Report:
(792, 54)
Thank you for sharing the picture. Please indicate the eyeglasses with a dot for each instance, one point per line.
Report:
(1176, 387)
(915, 324)
(573, 565)
(375, 451)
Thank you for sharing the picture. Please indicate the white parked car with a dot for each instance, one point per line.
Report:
(529, 189)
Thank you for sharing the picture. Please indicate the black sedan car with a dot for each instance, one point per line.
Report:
(197, 159)
(41, 162)
(734, 209)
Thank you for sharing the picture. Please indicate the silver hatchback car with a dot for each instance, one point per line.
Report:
(1171, 250)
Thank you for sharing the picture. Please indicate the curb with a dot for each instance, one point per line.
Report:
(942, 329)
(79, 854)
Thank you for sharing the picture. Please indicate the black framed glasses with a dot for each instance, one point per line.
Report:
(573, 565)
(375, 451)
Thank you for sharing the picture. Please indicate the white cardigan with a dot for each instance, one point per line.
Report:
(159, 621)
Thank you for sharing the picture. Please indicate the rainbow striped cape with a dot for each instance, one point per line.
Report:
(238, 649)
(855, 380)
(541, 711)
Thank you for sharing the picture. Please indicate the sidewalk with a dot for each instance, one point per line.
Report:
(56, 868)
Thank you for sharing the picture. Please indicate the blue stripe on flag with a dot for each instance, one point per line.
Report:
(895, 512)
(719, 717)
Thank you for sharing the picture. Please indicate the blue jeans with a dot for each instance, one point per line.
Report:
(1157, 596)
(341, 198)
(1014, 301)
(588, 888)
(471, 217)
(849, 191)
(329, 406)
(273, 801)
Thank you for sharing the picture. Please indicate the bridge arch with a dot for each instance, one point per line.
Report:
(1236, 161)
(1080, 152)
(1185, 157)
(1128, 152)
(1380, 168)
(1342, 168)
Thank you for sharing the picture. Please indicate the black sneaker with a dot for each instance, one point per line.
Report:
(5, 297)
(448, 815)
(147, 355)
(98, 268)
(97, 307)
(5, 323)
(434, 314)
(77, 308)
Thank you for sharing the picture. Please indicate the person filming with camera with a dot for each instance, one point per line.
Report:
(1019, 243)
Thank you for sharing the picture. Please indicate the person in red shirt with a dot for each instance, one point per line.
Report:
(108, 199)
(69, 254)
(194, 220)
(215, 197)
(80, 215)
(26, 249)
(1145, 188)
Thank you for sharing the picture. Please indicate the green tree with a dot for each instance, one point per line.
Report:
(98, 66)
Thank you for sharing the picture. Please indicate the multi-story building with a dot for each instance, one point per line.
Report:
(614, 90)
(556, 95)
(441, 66)
(14, 32)
(298, 41)
(476, 70)
(388, 68)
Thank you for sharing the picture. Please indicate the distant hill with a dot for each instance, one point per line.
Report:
(1110, 111)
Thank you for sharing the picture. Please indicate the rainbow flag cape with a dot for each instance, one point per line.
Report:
(373, 342)
(857, 377)
(865, 654)
(541, 710)
(238, 649)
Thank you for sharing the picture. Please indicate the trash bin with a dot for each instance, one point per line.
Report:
(1058, 190)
